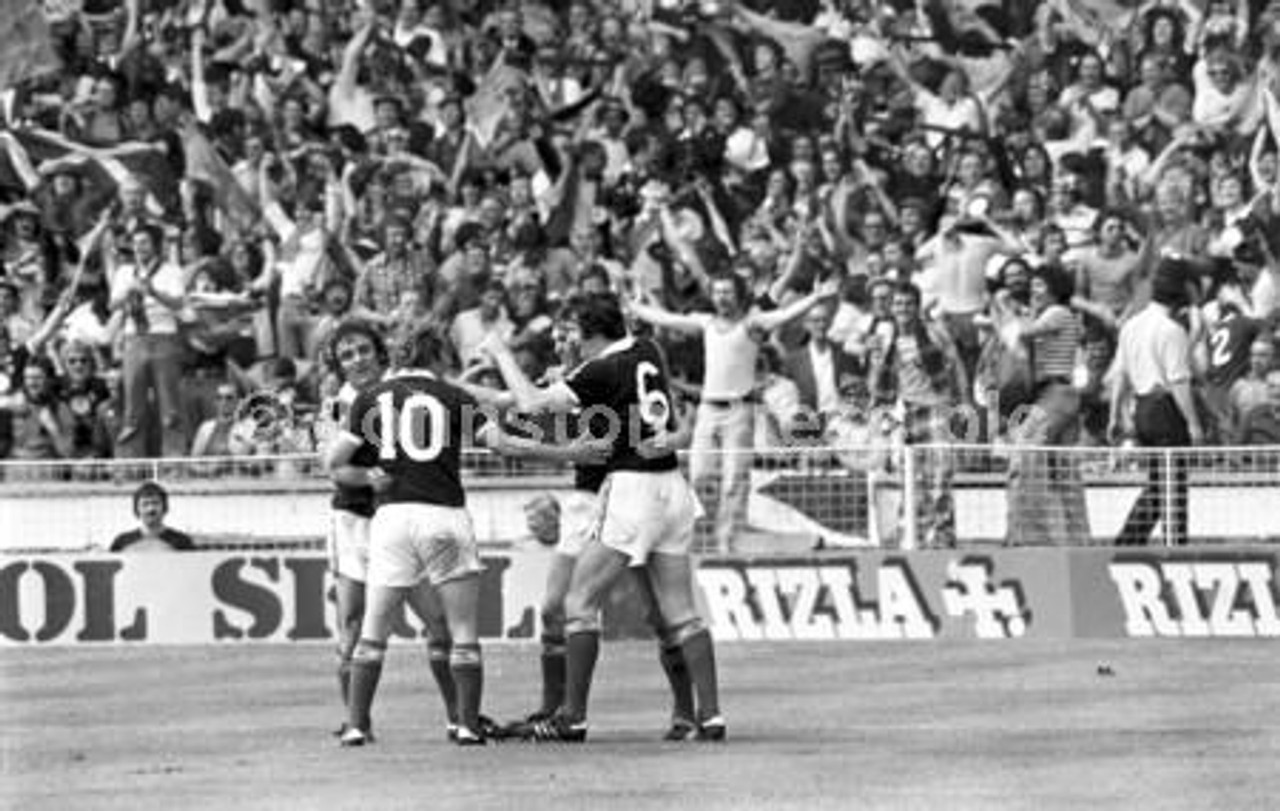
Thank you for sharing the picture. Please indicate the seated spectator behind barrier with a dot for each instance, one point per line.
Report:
(151, 505)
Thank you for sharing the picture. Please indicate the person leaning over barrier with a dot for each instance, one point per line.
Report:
(151, 505)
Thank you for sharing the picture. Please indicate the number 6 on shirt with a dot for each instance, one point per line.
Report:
(655, 406)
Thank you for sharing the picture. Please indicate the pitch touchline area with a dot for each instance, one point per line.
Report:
(940, 725)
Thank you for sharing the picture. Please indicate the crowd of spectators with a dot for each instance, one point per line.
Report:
(960, 167)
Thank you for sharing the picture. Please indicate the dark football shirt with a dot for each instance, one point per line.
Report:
(627, 386)
(1229, 343)
(177, 540)
(358, 500)
(415, 425)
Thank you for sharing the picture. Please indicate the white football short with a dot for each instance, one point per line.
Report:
(643, 512)
(412, 542)
(578, 519)
(348, 544)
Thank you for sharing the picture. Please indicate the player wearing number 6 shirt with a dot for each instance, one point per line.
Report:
(414, 423)
(645, 514)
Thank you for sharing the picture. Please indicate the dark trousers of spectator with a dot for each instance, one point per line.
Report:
(1159, 424)
(152, 363)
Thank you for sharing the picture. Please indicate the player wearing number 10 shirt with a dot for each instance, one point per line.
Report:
(645, 511)
(414, 423)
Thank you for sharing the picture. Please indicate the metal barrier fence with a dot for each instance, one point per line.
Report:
(777, 501)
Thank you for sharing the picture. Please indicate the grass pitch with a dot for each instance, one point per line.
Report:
(951, 725)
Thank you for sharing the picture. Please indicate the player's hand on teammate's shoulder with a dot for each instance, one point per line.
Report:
(379, 479)
(589, 450)
(655, 446)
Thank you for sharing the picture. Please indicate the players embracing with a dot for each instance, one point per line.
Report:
(403, 440)
(644, 514)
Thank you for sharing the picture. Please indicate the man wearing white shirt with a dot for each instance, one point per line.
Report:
(150, 293)
(1153, 363)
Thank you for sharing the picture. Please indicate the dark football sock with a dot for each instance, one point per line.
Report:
(438, 658)
(468, 676)
(672, 658)
(700, 658)
(344, 681)
(553, 672)
(365, 674)
(583, 650)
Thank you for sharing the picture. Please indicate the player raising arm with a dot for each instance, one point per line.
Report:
(646, 510)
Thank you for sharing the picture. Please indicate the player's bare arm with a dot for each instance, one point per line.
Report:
(581, 451)
(784, 315)
(337, 461)
(530, 397)
(486, 396)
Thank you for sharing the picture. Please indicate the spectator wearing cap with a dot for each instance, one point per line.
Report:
(149, 293)
(472, 326)
(151, 506)
(1153, 363)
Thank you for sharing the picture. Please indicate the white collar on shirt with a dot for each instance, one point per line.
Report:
(398, 373)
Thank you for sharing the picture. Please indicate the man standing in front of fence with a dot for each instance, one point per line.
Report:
(1153, 363)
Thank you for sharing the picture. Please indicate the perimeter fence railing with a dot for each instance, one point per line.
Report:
(756, 502)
